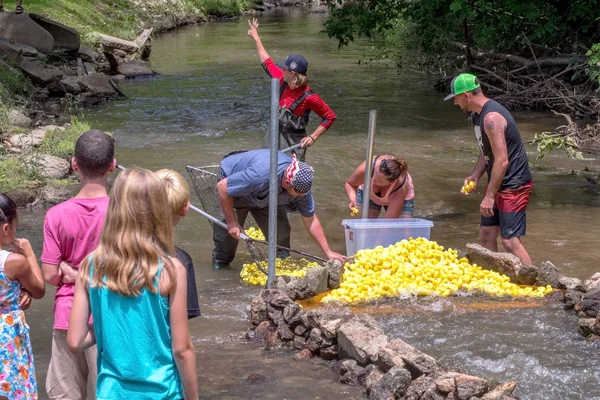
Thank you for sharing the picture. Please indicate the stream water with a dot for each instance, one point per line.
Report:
(212, 97)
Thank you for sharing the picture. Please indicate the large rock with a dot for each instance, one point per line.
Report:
(398, 353)
(590, 304)
(98, 84)
(419, 387)
(547, 275)
(527, 275)
(87, 54)
(27, 141)
(134, 68)
(566, 283)
(40, 73)
(70, 85)
(392, 385)
(10, 53)
(468, 386)
(572, 297)
(371, 378)
(298, 288)
(23, 195)
(65, 38)
(592, 283)
(52, 195)
(17, 118)
(22, 29)
(350, 372)
(50, 166)
(266, 333)
(501, 391)
(504, 263)
(336, 271)
(318, 280)
(360, 339)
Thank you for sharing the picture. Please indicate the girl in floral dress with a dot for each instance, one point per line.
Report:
(19, 270)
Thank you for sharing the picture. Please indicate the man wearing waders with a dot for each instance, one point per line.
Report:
(243, 188)
(296, 100)
(503, 157)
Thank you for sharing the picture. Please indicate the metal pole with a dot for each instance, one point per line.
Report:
(367, 184)
(273, 182)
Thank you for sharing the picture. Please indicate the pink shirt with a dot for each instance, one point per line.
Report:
(71, 231)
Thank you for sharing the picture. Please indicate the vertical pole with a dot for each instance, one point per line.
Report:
(368, 162)
(273, 190)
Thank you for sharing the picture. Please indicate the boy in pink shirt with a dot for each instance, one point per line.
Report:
(72, 231)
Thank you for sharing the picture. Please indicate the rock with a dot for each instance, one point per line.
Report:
(132, 69)
(22, 196)
(284, 331)
(276, 298)
(329, 353)
(418, 388)
(504, 263)
(87, 54)
(318, 280)
(527, 275)
(592, 283)
(587, 326)
(40, 73)
(360, 338)
(336, 271)
(50, 166)
(349, 372)
(468, 386)
(330, 328)
(22, 29)
(266, 333)
(445, 384)
(11, 54)
(53, 106)
(258, 310)
(315, 318)
(500, 391)
(401, 354)
(572, 297)
(292, 314)
(65, 38)
(275, 314)
(392, 385)
(17, 118)
(256, 378)
(303, 354)
(70, 85)
(52, 195)
(110, 42)
(299, 342)
(566, 283)
(26, 51)
(371, 378)
(89, 68)
(300, 330)
(590, 304)
(547, 275)
(26, 141)
(315, 340)
(98, 84)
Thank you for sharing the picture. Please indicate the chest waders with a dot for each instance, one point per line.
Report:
(292, 128)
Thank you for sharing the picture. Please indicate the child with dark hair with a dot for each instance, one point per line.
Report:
(71, 231)
(19, 270)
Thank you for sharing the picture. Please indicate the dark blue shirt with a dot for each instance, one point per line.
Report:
(247, 176)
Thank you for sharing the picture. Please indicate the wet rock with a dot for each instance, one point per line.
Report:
(303, 354)
(556, 296)
(276, 298)
(50, 166)
(547, 275)
(360, 338)
(566, 283)
(256, 378)
(316, 318)
(98, 85)
(527, 274)
(590, 304)
(401, 354)
(135, 68)
(330, 328)
(300, 330)
(70, 85)
(329, 353)
(349, 372)
(266, 333)
(299, 342)
(593, 338)
(41, 73)
(371, 378)
(292, 314)
(296, 288)
(52, 195)
(468, 386)
(386, 359)
(22, 196)
(317, 280)
(315, 340)
(275, 314)
(418, 387)
(592, 283)
(587, 326)
(392, 385)
(258, 310)
(284, 331)
(336, 271)
(501, 391)
(87, 54)
(445, 384)
(504, 263)
(17, 118)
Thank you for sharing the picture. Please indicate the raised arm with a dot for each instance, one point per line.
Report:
(24, 268)
(253, 33)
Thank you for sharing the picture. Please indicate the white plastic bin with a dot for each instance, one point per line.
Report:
(370, 233)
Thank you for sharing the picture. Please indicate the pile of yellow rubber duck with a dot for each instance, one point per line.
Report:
(252, 275)
(419, 267)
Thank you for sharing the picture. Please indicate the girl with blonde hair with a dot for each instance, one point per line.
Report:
(136, 293)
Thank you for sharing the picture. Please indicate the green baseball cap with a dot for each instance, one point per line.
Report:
(461, 84)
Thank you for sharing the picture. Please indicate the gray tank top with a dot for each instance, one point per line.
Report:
(517, 172)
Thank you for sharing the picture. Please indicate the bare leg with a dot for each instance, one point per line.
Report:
(1, 10)
(19, 9)
(488, 237)
(514, 246)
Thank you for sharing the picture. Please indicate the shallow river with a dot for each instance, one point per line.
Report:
(212, 97)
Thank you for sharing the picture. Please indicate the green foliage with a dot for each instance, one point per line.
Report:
(501, 25)
(13, 84)
(62, 143)
(15, 172)
(549, 141)
(593, 55)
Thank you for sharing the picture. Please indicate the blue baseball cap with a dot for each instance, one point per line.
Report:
(296, 63)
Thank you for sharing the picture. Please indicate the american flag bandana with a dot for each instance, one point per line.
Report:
(300, 175)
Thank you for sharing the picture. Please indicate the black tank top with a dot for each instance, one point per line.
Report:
(517, 172)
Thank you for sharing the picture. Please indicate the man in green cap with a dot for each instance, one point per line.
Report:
(503, 157)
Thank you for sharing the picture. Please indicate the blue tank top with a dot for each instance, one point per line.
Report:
(133, 334)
